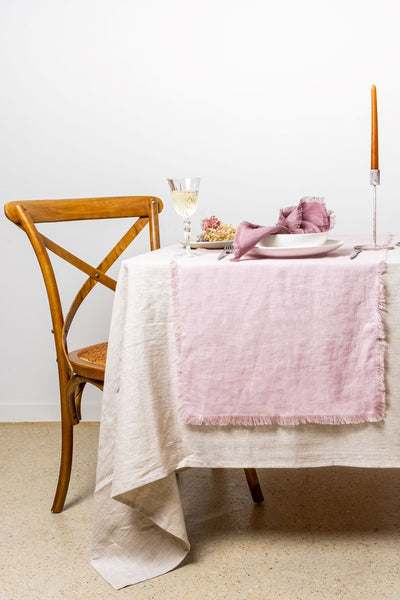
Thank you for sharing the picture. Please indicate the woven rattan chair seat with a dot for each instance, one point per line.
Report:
(96, 354)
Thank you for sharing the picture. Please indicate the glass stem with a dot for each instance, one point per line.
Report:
(187, 236)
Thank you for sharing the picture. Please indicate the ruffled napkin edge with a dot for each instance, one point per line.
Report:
(292, 220)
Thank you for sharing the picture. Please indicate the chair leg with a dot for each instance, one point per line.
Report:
(254, 485)
(70, 415)
(65, 467)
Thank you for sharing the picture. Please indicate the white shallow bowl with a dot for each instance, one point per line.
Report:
(293, 240)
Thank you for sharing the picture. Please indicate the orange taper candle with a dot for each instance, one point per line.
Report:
(374, 130)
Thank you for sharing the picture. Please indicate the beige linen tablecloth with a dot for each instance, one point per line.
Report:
(139, 530)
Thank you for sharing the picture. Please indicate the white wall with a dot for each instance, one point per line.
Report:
(267, 100)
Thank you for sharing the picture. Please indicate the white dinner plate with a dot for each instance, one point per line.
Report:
(208, 245)
(279, 252)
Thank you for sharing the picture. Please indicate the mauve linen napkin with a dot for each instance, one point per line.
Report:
(309, 216)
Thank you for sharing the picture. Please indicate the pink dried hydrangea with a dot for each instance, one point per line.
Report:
(210, 223)
(215, 231)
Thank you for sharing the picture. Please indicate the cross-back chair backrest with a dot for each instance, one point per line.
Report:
(27, 214)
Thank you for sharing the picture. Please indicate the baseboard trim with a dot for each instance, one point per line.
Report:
(32, 413)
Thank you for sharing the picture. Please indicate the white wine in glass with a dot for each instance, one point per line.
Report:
(185, 202)
(185, 191)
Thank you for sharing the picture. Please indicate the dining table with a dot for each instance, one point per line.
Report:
(161, 365)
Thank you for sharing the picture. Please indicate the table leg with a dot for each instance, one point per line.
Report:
(254, 485)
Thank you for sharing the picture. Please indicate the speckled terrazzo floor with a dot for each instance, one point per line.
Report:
(321, 533)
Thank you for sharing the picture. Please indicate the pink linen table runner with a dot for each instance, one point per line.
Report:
(280, 341)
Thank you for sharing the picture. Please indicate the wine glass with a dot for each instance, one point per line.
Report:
(184, 191)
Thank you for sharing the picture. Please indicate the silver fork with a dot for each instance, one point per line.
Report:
(228, 249)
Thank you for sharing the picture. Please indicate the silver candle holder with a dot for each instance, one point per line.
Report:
(374, 180)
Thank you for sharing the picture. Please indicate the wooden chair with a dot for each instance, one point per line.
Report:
(86, 365)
